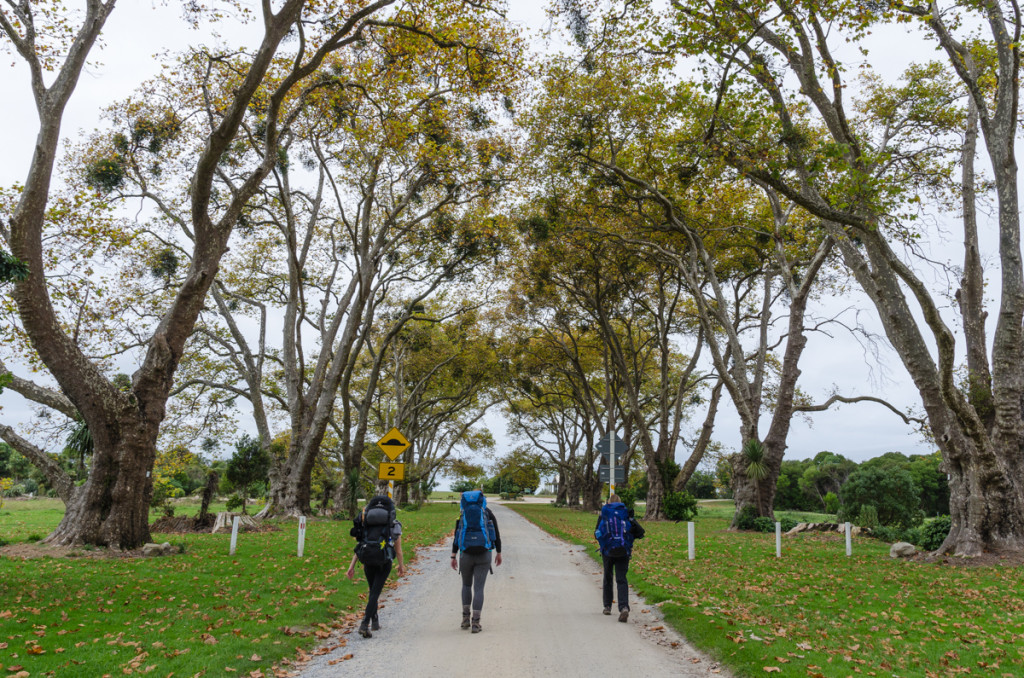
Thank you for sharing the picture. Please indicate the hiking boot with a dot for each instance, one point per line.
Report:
(465, 616)
(465, 623)
(375, 623)
(624, 614)
(476, 627)
(364, 630)
(607, 610)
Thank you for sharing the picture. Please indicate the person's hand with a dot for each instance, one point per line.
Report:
(351, 571)
(455, 565)
(401, 570)
(497, 559)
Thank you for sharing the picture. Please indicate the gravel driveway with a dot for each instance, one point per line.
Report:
(541, 617)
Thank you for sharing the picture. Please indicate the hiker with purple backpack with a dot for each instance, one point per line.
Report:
(615, 532)
(476, 535)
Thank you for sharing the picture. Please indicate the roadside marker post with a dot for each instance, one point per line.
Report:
(689, 539)
(302, 535)
(393, 444)
(234, 535)
(778, 539)
(849, 544)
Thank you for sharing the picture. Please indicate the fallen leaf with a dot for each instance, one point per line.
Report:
(772, 669)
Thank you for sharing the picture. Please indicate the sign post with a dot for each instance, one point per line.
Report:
(302, 534)
(234, 535)
(610, 470)
(393, 444)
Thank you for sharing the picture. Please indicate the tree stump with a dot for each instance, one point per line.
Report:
(226, 518)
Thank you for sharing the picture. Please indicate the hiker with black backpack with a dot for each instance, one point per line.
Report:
(476, 535)
(615, 532)
(378, 542)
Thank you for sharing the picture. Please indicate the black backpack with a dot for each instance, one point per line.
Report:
(373, 528)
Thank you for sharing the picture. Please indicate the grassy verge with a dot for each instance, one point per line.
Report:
(198, 613)
(815, 612)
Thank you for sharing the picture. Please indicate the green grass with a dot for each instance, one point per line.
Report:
(84, 616)
(815, 612)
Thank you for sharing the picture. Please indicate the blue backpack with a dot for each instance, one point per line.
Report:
(614, 531)
(476, 531)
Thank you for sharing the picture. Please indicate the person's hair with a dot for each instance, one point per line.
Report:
(612, 498)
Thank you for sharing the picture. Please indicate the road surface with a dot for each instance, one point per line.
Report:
(541, 617)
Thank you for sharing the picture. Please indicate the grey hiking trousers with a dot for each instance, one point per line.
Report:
(474, 568)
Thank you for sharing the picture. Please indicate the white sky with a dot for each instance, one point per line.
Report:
(141, 29)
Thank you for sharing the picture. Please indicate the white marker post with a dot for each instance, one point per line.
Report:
(778, 539)
(234, 534)
(302, 534)
(849, 544)
(391, 489)
(689, 538)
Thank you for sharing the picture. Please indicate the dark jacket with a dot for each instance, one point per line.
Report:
(497, 532)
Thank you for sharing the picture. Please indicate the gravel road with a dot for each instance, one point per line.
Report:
(541, 617)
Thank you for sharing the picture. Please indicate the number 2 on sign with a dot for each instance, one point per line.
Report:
(388, 471)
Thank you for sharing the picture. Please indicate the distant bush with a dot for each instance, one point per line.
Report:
(627, 496)
(887, 534)
(890, 490)
(912, 535)
(764, 524)
(463, 486)
(747, 517)
(787, 524)
(680, 506)
(934, 533)
(868, 516)
(831, 503)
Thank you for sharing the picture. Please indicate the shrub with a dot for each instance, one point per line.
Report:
(890, 490)
(887, 534)
(747, 517)
(627, 496)
(234, 502)
(787, 524)
(33, 538)
(680, 506)
(912, 535)
(764, 524)
(868, 516)
(934, 533)
(831, 503)
(463, 486)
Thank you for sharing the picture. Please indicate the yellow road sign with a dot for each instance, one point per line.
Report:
(388, 471)
(393, 443)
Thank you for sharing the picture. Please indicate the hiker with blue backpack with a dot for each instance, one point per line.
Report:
(476, 535)
(378, 542)
(615, 532)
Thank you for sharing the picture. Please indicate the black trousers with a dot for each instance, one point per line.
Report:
(376, 577)
(619, 565)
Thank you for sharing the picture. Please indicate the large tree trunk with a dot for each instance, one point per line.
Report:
(291, 493)
(591, 491)
(986, 502)
(112, 507)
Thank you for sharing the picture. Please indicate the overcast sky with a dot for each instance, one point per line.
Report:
(139, 30)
